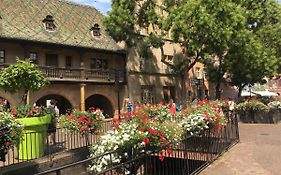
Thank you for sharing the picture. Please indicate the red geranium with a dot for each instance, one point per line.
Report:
(146, 141)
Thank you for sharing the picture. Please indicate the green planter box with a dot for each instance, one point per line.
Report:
(34, 140)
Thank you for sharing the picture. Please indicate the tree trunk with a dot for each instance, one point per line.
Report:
(24, 97)
(240, 88)
(218, 92)
(240, 92)
(183, 90)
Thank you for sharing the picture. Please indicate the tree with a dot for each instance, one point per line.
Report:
(249, 61)
(22, 76)
(254, 48)
(200, 27)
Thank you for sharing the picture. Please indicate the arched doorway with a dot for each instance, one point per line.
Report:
(4, 103)
(63, 104)
(101, 102)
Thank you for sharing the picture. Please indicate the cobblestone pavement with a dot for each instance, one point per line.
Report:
(258, 153)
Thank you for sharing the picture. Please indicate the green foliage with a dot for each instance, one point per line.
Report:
(120, 22)
(254, 49)
(252, 106)
(274, 105)
(252, 62)
(197, 25)
(83, 122)
(221, 34)
(11, 131)
(21, 76)
(25, 111)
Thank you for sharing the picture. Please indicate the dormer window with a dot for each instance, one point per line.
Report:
(95, 30)
(49, 23)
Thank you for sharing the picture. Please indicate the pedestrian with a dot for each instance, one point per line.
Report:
(52, 126)
(231, 106)
(172, 107)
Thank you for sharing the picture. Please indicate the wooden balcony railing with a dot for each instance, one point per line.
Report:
(86, 75)
(61, 73)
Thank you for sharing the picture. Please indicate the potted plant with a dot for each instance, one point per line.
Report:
(35, 121)
(24, 76)
(10, 133)
(253, 112)
(87, 122)
(275, 111)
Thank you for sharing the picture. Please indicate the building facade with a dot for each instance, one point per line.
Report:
(84, 65)
(149, 79)
(274, 85)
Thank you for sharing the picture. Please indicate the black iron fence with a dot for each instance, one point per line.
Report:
(188, 158)
(48, 144)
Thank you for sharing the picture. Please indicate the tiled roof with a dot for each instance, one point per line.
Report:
(22, 19)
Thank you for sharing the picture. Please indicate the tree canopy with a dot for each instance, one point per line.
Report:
(22, 76)
(219, 33)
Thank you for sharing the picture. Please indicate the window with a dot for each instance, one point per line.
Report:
(2, 56)
(99, 63)
(198, 72)
(68, 61)
(142, 63)
(169, 93)
(95, 30)
(147, 94)
(52, 60)
(33, 57)
(49, 23)
(169, 58)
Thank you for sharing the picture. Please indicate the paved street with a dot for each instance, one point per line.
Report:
(259, 152)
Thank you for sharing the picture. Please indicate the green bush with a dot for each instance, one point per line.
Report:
(252, 106)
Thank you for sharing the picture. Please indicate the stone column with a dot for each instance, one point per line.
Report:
(82, 96)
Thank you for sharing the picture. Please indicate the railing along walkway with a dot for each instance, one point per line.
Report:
(191, 156)
(64, 140)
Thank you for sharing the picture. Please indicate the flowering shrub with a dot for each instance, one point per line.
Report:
(26, 111)
(252, 106)
(159, 112)
(194, 124)
(10, 131)
(206, 114)
(274, 105)
(211, 112)
(145, 131)
(151, 128)
(83, 122)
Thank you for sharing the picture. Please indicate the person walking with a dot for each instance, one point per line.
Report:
(52, 126)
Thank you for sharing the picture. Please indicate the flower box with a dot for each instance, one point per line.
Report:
(33, 143)
(273, 116)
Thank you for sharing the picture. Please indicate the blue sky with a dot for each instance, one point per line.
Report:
(102, 5)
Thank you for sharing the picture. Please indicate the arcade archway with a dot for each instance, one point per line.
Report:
(63, 104)
(101, 102)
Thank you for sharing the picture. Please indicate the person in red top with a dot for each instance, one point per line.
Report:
(172, 107)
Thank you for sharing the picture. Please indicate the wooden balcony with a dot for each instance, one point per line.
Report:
(81, 75)
(85, 75)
